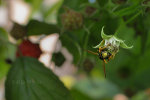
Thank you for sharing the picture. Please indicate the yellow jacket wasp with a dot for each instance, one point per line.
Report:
(103, 54)
(108, 47)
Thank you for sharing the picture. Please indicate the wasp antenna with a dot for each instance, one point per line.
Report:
(104, 68)
(95, 53)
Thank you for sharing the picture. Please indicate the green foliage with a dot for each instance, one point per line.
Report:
(78, 95)
(35, 4)
(3, 35)
(127, 73)
(97, 89)
(3, 53)
(58, 58)
(52, 9)
(73, 4)
(111, 38)
(140, 96)
(102, 2)
(35, 27)
(3, 68)
(28, 79)
(127, 21)
(75, 49)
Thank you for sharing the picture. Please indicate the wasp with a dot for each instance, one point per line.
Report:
(104, 54)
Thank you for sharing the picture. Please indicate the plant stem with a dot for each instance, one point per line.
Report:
(86, 42)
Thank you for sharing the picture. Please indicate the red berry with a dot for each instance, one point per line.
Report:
(27, 48)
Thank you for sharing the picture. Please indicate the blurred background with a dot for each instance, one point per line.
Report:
(65, 29)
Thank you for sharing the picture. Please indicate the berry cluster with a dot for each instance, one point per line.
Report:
(71, 20)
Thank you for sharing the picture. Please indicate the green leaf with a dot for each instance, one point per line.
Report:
(74, 4)
(97, 88)
(3, 53)
(102, 2)
(137, 46)
(140, 96)
(125, 10)
(78, 95)
(7, 49)
(55, 7)
(58, 58)
(35, 27)
(103, 35)
(72, 46)
(3, 68)
(142, 70)
(28, 79)
(3, 35)
(123, 45)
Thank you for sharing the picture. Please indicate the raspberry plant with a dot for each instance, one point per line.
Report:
(79, 23)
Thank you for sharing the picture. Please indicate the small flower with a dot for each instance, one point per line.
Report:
(112, 43)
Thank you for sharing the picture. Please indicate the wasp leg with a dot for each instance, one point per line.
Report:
(110, 57)
(95, 53)
(105, 61)
(102, 48)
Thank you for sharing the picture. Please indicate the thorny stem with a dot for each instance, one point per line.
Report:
(84, 53)
(86, 42)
